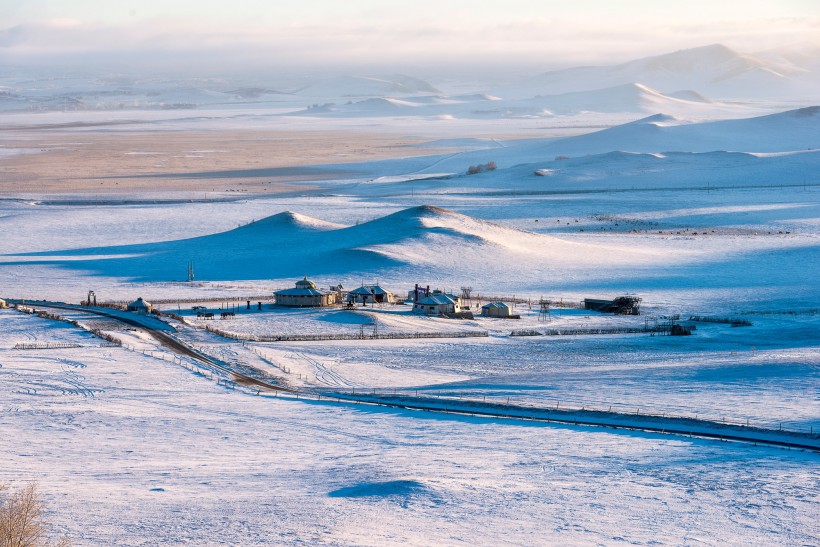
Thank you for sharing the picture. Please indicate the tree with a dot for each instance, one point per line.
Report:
(21, 518)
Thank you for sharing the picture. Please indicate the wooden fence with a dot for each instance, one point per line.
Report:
(344, 336)
(46, 345)
(660, 329)
(723, 320)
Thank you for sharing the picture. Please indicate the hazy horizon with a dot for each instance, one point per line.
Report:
(520, 35)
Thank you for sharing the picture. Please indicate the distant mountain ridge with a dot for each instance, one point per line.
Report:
(715, 70)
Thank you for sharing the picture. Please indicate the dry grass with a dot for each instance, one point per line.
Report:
(65, 160)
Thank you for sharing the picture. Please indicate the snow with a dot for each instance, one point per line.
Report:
(136, 445)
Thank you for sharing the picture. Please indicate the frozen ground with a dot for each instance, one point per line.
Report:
(720, 219)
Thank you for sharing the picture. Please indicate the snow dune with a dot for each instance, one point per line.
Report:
(422, 240)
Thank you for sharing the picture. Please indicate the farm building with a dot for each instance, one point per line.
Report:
(623, 305)
(495, 309)
(438, 303)
(417, 293)
(305, 295)
(369, 294)
(140, 306)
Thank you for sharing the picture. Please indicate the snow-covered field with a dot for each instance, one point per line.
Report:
(135, 450)
(133, 445)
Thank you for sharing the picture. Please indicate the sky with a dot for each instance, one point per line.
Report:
(323, 34)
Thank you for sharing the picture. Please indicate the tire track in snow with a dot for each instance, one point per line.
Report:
(326, 374)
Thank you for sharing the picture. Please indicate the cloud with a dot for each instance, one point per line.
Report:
(545, 41)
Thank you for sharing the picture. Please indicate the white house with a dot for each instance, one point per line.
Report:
(438, 303)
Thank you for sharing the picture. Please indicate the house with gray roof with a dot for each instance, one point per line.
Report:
(369, 294)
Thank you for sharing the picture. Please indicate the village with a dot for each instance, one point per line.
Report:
(374, 311)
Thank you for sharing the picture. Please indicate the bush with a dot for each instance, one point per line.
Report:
(480, 168)
(21, 519)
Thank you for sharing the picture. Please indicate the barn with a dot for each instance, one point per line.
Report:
(369, 294)
(495, 309)
(305, 295)
(140, 306)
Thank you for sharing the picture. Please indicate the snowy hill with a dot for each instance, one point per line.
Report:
(715, 70)
(793, 130)
(785, 131)
(619, 171)
(419, 241)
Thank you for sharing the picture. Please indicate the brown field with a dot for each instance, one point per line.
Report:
(67, 160)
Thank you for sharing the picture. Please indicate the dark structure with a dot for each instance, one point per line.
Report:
(623, 305)
(680, 330)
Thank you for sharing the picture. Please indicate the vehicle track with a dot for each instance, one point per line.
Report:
(326, 374)
(171, 343)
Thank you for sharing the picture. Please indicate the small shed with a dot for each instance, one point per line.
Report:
(305, 295)
(496, 309)
(369, 294)
(140, 306)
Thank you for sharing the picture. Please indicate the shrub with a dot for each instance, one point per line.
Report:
(21, 519)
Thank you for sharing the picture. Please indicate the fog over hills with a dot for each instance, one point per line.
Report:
(690, 81)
